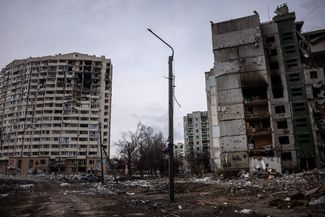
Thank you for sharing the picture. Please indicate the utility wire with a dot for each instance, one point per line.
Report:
(174, 95)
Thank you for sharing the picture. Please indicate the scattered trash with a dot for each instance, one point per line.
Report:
(4, 195)
(64, 184)
(180, 207)
(312, 191)
(317, 202)
(248, 183)
(243, 174)
(138, 183)
(130, 193)
(287, 199)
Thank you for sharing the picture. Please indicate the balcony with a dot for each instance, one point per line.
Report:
(256, 115)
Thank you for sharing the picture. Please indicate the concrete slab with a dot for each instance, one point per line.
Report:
(233, 143)
(230, 96)
(226, 54)
(228, 81)
(231, 112)
(233, 127)
(226, 67)
(251, 50)
(236, 38)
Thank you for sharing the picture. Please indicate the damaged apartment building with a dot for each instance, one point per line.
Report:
(55, 112)
(266, 94)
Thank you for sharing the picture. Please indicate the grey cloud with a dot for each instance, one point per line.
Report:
(117, 29)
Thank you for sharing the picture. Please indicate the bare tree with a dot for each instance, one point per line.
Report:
(159, 158)
(143, 150)
(145, 143)
(129, 145)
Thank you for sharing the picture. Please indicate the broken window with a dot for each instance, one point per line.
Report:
(277, 87)
(286, 156)
(273, 52)
(289, 49)
(51, 74)
(292, 63)
(299, 106)
(287, 37)
(313, 74)
(86, 80)
(316, 91)
(294, 77)
(274, 65)
(297, 91)
(270, 39)
(301, 122)
(284, 140)
(304, 138)
(279, 109)
(282, 124)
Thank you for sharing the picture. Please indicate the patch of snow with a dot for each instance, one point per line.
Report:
(26, 186)
(244, 211)
(130, 193)
(318, 201)
(139, 183)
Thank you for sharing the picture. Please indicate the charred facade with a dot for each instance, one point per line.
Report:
(262, 101)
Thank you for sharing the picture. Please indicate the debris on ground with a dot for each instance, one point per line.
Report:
(64, 184)
(317, 202)
(244, 194)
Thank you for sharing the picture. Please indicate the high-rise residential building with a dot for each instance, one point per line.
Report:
(196, 139)
(261, 94)
(55, 111)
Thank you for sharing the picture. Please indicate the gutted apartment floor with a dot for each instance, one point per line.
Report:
(292, 195)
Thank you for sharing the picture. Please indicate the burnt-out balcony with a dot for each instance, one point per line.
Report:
(259, 137)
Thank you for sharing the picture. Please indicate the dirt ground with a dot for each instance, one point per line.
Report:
(298, 195)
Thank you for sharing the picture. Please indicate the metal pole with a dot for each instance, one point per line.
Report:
(171, 128)
(170, 119)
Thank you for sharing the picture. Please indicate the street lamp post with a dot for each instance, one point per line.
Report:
(170, 119)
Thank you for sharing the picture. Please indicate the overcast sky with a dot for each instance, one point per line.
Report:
(117, 29)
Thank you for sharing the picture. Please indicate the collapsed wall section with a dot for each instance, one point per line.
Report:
(239, 73)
